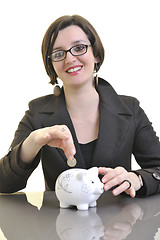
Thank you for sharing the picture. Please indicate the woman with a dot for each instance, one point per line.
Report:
(86, 121)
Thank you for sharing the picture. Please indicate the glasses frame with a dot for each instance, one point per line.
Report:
(69, 50)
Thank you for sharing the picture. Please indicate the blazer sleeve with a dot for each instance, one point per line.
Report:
(13, 177)
(146, 150)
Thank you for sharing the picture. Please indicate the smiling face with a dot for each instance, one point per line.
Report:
(74, 70)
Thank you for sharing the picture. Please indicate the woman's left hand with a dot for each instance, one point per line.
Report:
(115, 178)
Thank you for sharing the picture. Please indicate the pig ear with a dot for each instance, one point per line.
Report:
(80, 175)
(93, 170)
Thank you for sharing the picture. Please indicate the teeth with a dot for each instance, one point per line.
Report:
(74, 69)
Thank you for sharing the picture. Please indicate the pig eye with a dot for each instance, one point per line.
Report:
(92, 181)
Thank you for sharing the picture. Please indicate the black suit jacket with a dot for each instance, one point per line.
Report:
(124, 129)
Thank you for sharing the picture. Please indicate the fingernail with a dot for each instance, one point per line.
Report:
(115, 192)
(73, 152)
(106, 187)
(104, 180)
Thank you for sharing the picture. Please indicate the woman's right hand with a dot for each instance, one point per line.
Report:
(56, 136)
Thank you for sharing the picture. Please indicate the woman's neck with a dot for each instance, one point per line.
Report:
(81, 99)
(83, 107)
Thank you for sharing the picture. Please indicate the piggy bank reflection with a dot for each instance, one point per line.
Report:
(78, 187)
(79, 225)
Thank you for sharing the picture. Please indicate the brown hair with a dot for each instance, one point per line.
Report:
(51, 35)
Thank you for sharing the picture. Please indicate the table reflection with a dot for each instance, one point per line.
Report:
(121, 225)
(115, 218)
(79, 225)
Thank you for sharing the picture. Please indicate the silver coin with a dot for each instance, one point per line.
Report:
(72, 162)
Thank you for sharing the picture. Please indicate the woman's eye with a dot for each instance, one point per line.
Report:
(79, 48)
(58, 54)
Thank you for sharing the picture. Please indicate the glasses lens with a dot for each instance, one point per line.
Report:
(79, 49)
(58, 56)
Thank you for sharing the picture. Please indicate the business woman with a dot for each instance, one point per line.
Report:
(83, 124)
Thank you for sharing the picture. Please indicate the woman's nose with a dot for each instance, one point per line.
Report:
(70, 58)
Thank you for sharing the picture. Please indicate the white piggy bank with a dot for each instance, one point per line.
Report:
(78, 187)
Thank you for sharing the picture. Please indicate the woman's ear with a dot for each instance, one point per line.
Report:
(96, 64)
(96, 60)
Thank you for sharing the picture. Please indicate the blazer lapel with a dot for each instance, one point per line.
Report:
(113, 124)
(57, 114)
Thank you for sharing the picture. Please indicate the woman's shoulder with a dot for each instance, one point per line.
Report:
(39, 103)
(110, 94)
(41, 100)
(47, 103)
(129, 100)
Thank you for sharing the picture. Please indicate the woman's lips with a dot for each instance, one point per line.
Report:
(74, 70)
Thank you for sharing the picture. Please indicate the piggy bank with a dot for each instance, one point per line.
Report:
(78, 187)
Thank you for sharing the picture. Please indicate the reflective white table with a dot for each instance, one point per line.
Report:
(36, 216)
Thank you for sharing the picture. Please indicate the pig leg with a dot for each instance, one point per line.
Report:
(93, 204)
(82, 206)
(64, 205)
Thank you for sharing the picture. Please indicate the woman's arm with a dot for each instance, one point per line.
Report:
(146, 149)
(25, 151)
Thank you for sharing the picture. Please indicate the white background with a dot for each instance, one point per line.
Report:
(129, 30)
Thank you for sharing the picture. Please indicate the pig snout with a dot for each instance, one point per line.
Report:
(99, 190)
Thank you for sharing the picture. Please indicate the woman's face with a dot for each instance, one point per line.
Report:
(74, 70)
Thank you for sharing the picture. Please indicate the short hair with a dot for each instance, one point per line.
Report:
(52, 33)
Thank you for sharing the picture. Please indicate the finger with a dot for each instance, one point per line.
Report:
(112, 179)
(50, 134)
(61, 132)
(68, 144)
(122, 188)
(112, 183)
(69, 148)
(114, 173)
(60, 136)
(103, 170)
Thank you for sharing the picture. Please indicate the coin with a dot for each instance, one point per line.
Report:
(71, 162)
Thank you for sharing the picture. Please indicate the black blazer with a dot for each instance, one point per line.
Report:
(124, 129)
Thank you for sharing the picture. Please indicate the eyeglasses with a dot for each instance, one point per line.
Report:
(76, 50)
